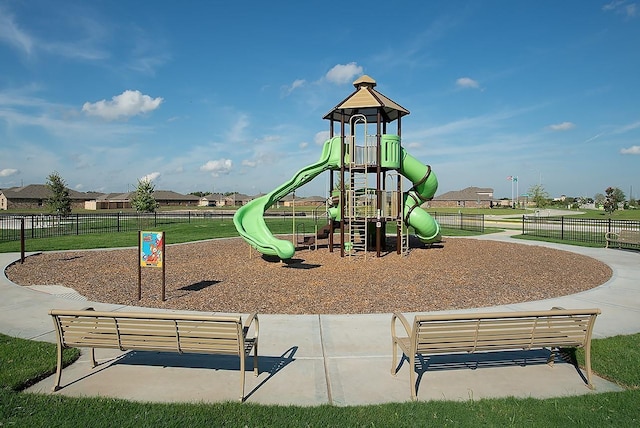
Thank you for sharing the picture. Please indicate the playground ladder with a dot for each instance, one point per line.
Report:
(359, 206)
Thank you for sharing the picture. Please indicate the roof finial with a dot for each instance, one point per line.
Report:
(364, 80)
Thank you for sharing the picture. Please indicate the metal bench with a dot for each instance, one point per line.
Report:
(623, 237)
(500, 331)
(137, 331)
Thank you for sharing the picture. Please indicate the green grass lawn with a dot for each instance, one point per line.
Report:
(24, 362)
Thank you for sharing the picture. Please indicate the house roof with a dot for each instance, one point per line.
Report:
(169, 195)
(468, 194)
(162, 195)
(41, 191)
(212, 197)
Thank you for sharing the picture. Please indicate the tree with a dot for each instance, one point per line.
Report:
(599, 199)
(538, 195)
(143, 200)
(613, 198)
(59, 202)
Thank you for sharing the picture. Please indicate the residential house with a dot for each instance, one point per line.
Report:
(119, 201)
(471, 197)
(210, 200)
(35, 196)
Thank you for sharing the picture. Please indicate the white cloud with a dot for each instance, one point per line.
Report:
(321, 137)
(150, 177)
(564, 126)
(236, 134)
(11, 34)
(298, 83)
(623, 7)
(633, 150)
(7, 172)
(303, 145)
(467, 82)
(127, 104)
(343, 73)
(627, 128)
(217, 167)
(249, 163)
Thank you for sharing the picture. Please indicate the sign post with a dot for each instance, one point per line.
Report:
(151, 246)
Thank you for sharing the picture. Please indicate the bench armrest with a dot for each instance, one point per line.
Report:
(612, 236)
(253, 318)
(407, 327)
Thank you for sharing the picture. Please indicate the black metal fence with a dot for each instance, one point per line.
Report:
(575, 229)
(471, 222)
(50, 225)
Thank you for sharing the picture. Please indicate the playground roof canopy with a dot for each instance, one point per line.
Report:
(367, 101)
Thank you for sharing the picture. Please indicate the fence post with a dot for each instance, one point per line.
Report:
(155, 219)
(118, 221)
(33, 223)
(22, 240)
(562, 228)
(523, 224)
(77, 224)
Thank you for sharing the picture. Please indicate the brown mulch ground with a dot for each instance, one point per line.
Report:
(220, 276)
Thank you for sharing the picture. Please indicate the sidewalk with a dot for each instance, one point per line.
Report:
(328, 359)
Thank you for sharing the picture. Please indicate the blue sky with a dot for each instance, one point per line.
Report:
(229, 96)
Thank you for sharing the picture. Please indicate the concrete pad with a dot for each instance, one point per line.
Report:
(356, 335)
(365, 380)
(170, 377)
(301, 333)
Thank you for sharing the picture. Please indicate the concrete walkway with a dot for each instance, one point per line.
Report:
(335, 359)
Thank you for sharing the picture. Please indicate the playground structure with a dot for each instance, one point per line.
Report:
(369, 187)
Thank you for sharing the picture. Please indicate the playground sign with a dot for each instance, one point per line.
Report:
(150, 254)
(151, 249)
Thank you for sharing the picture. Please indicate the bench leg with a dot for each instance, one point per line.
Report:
(242, 363)
(256, 371)
(56, 383)
(394, 360)
(412, 378)
(587, 364)
(92, 354)
(552, 357)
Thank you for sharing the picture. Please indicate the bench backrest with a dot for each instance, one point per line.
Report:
(629, 235)
(498, 331)
(153, 332)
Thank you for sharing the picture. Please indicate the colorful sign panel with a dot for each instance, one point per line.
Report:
(151, 249)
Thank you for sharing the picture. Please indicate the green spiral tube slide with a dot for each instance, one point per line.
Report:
(425, 184)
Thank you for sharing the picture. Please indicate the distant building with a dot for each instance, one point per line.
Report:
(118, 201)
(35, 196)
(471, 197)
(210, 200)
